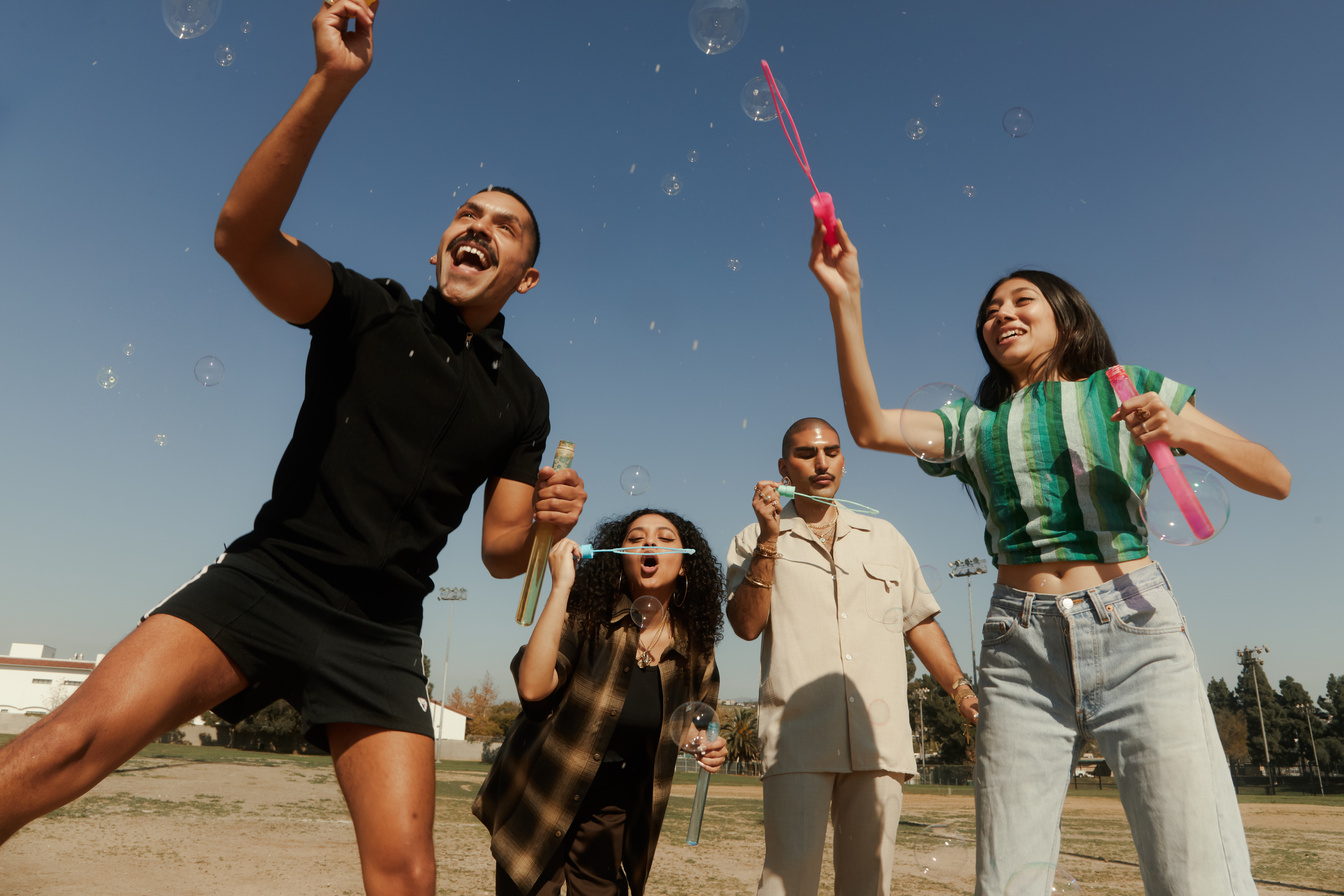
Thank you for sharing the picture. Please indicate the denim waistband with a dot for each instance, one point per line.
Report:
(1089, 599)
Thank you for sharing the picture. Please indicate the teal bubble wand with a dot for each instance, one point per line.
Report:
(693, 727)
(788, 491)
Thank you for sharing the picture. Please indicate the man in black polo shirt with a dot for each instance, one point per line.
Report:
(409, 407)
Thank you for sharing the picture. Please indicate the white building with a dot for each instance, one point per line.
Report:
(454, 723)
(33, 680)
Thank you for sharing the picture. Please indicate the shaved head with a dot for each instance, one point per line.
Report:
(803, 425)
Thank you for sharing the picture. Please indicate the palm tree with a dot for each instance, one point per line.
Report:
(739, 730)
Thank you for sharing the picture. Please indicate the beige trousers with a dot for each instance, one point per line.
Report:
(865, 810)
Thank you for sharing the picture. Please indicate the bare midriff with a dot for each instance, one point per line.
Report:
(1061, 577)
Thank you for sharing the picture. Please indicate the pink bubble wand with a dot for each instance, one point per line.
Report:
(1166, 464)
(822, 204)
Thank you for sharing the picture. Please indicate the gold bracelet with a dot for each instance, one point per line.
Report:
(766, 585)
(769, 553)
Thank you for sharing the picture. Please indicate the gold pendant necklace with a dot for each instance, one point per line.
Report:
(644, 655)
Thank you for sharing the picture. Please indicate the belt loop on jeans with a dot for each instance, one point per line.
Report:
(1098, 605)
(1027, 598)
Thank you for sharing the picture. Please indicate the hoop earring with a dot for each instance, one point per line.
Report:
(685, 587)
(784, 480)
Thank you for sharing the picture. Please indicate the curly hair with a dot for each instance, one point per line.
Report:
(598, 583)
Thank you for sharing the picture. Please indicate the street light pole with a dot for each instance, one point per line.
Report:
(1314, 760)
(921, 692)
(971, 566)
(1250, 658)
(451, 594)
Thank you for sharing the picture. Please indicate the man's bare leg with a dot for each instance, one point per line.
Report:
(388, 781)
(164, 673)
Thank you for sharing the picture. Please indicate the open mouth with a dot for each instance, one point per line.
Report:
(649, 563)
(1011, 334)
(470, 251)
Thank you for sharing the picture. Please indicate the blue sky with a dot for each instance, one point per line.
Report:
(1183, 170)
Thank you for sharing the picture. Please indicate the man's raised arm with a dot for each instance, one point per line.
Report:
(285, 275)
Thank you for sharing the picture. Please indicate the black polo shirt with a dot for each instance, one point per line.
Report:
(405, 414)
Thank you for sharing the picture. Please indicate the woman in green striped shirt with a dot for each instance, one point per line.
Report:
(1083, 636)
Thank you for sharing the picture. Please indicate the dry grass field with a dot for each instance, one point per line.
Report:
(194, 819)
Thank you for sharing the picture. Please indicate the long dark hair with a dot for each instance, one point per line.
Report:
(598, 583)
(1083, 347)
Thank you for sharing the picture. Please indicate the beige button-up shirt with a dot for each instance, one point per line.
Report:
(833, 668)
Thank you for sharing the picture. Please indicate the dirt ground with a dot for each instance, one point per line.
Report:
(162, 826)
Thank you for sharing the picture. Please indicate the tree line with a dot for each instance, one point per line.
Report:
(1286, 723)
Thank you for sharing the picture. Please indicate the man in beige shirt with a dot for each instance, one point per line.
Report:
(833, 592)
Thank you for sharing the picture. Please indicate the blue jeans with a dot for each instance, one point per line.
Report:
(1114, 662)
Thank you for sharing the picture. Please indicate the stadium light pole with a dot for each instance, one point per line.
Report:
(451, 594)
(921, 692)
(971, 566)
(1314, 760)
(1250, 658)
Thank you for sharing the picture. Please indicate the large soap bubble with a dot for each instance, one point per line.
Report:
(757, 101)
(1017, 122)
(924, 437)
(1164, 517)
(646, 612)
(943, 853)
(635, 480)
(190, 18)
(717, 25)
(209, 371)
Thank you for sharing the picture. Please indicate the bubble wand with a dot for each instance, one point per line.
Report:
(541, 546)
(1166, 464)
(586, 551)
(789, 491)
(701, 792)
(822, 204)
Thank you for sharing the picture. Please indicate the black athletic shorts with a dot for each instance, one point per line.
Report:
(331, 665)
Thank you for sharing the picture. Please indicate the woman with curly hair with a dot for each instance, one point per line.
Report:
(578, 791)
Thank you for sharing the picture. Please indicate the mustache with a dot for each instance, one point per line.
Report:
(477, 239)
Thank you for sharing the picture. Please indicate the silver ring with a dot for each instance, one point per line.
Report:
(1143, 427)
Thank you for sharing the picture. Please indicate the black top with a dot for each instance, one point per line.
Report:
(405, 414)
(641, 720)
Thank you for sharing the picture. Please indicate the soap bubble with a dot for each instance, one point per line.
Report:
(190, 18)
(692, 156)
(943, 853)
(1017, 122)
(937, 100)
(930, 581)
(879, 713)
(734, 264)
(209, 371)
(757, 101)
(969, 190)
(925, 436)
(160, 439)
(671, 184)
(1041, 879)
(634, 480)
(894, 619)
(646, 612)
(717, 25)
(247, 25)
(129, 349)
(692, 726)
(1163, 515)
(915, 129)
(106, 378)
(224, 55)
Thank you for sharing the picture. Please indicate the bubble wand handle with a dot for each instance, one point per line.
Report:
(541, 547)
(1166, 464)
(789, 492)
(823, 206)
(701, 792)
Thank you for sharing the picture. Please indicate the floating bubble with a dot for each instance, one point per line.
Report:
(129, 349)
(1041, 879)
(224, 55)
(937, 100)
(894, 619)
(209, 371)
(646, 612)
(671, 184)
(929, 580)
(1164, 517)
(692, 156)
(106, 378)
(879, 713)
(943, 853)
(969, 190)
(734, 264)
(757, 101)
(924, 435)
(1017, 122)
(160, 439)
(717, 25)
(690, 726)
(915, 129)
(190, 18)
(634, 480)
(247, 26)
